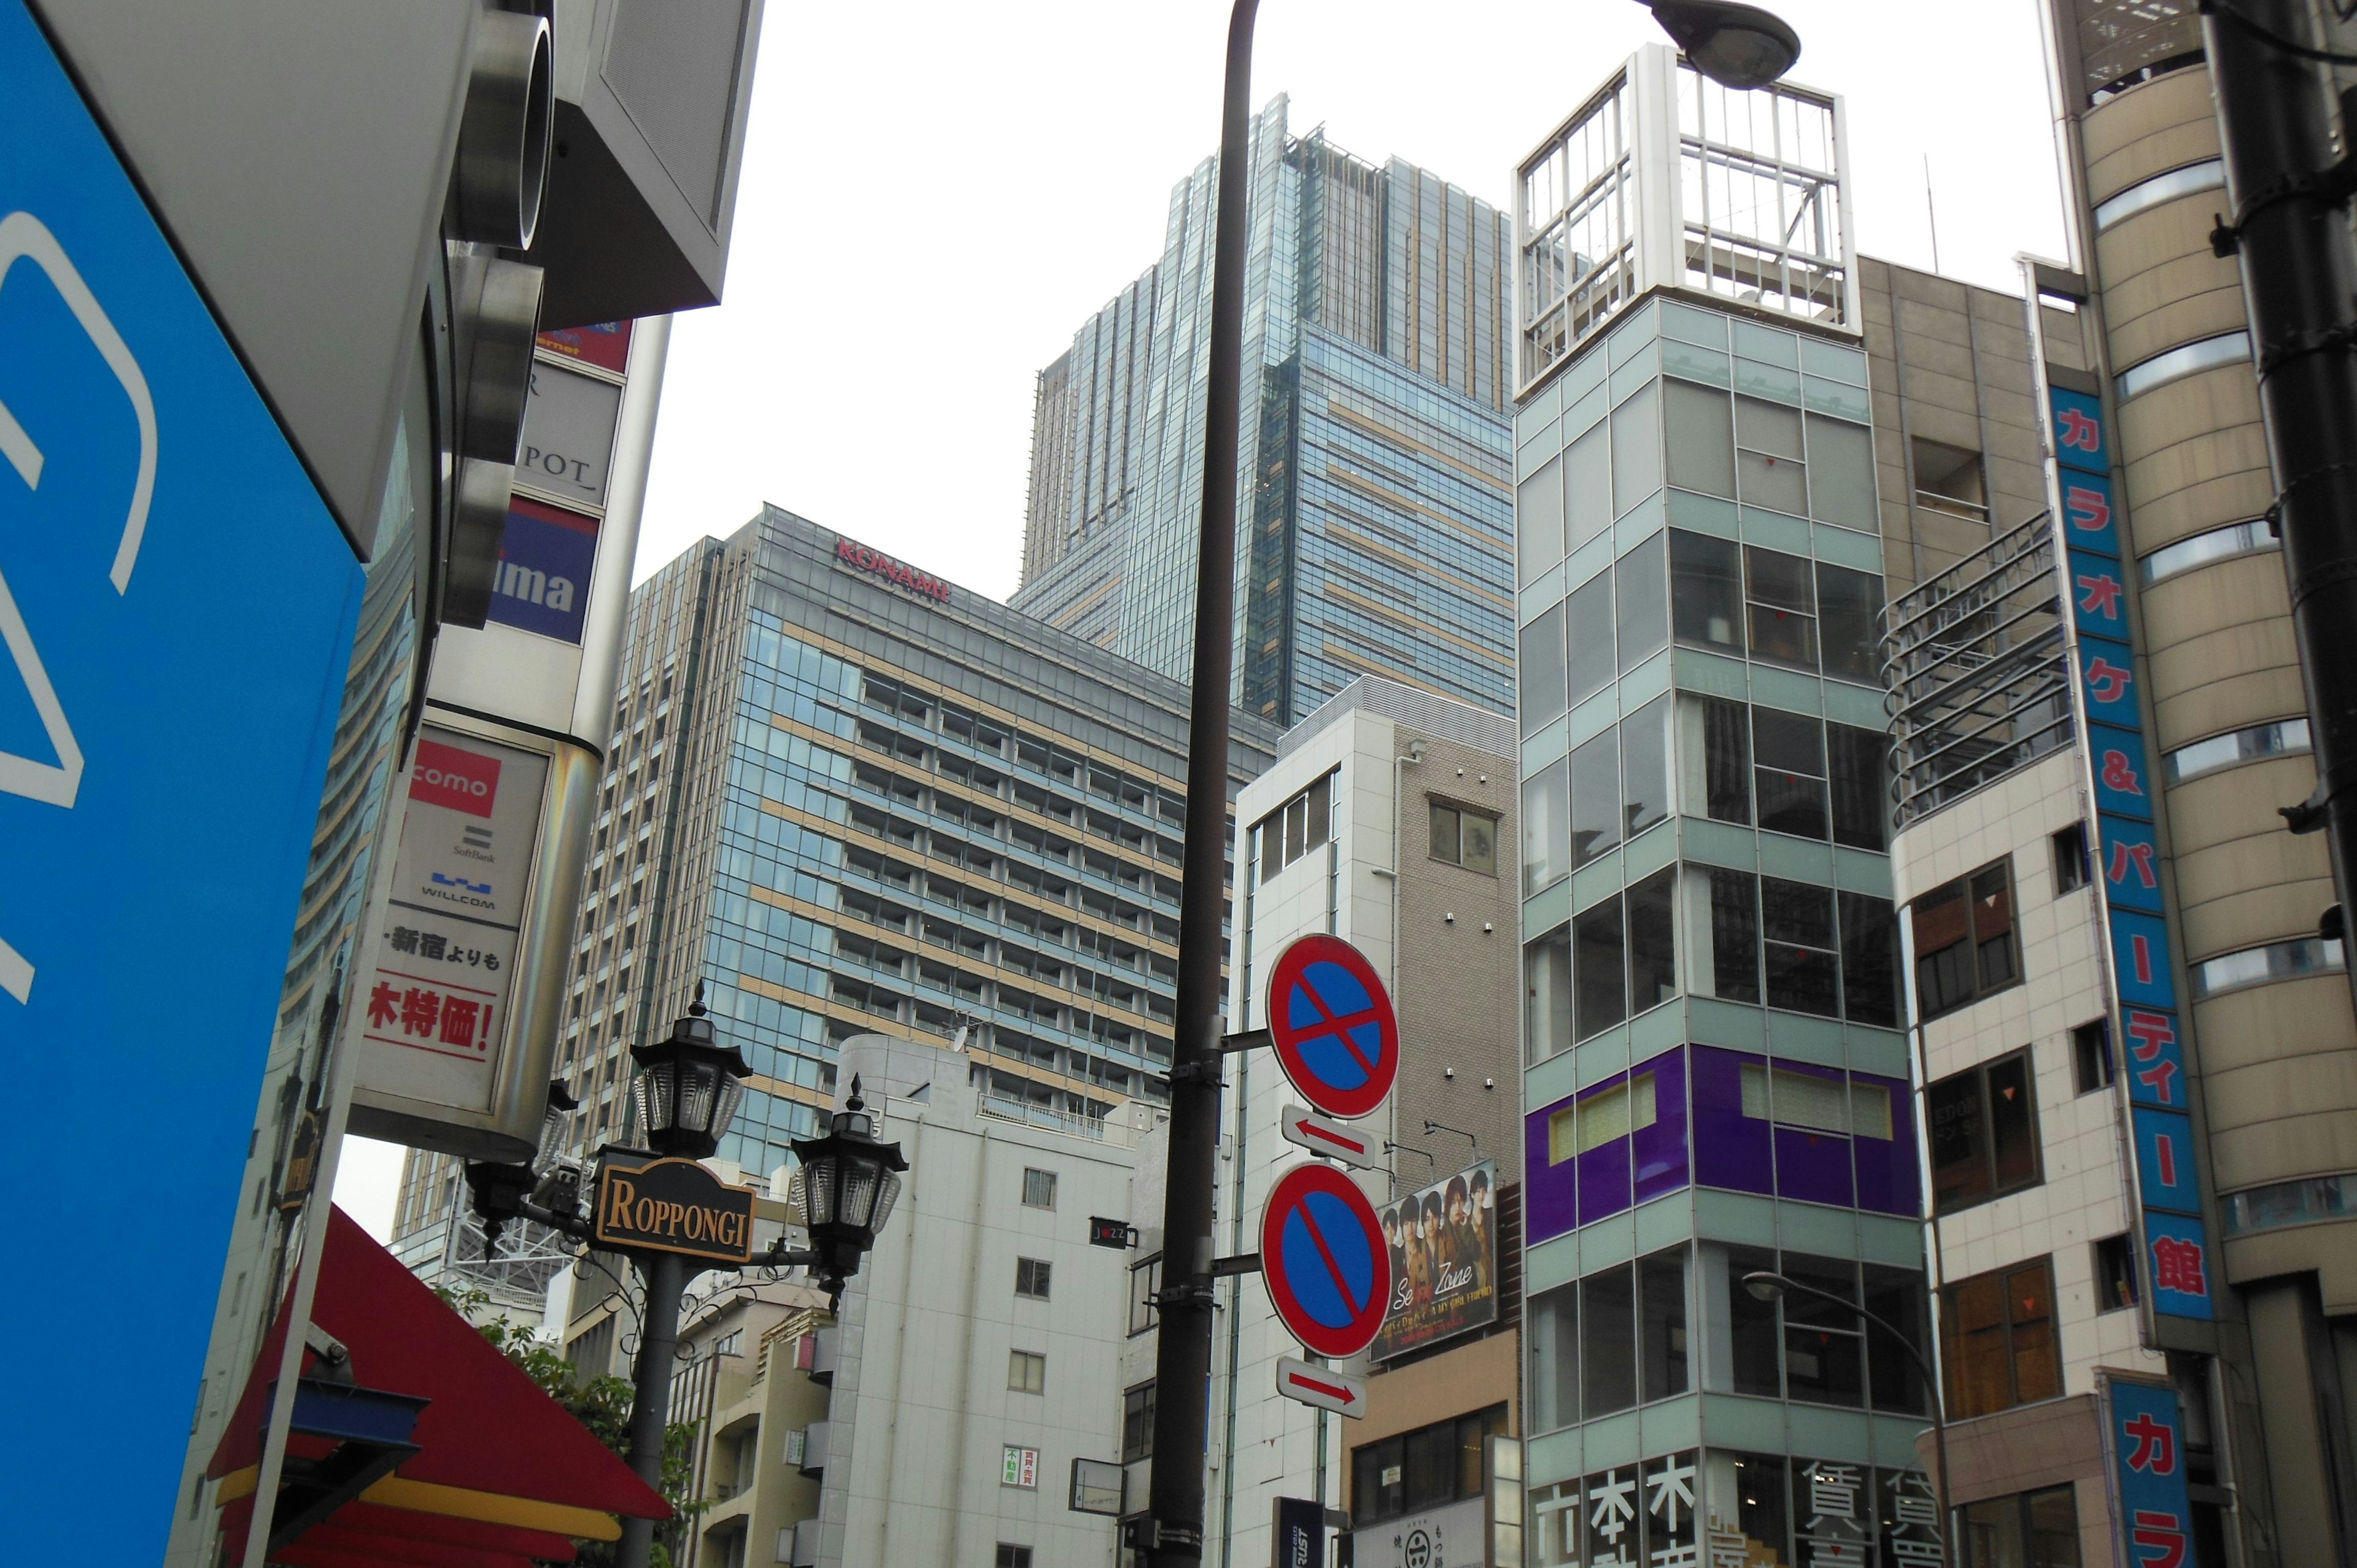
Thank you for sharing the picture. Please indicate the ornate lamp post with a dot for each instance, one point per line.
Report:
(686, 1092)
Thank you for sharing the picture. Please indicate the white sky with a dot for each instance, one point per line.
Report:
(934, 196)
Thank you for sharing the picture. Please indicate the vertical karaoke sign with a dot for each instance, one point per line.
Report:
(2176, 1247)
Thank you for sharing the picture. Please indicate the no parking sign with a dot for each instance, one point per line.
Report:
(1322, 1254)
(1331, 1022)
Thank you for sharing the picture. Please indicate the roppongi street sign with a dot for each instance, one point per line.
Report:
(176, 610)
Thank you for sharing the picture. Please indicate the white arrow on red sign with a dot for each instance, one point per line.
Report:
(1321, 1386)
(1335, 1140)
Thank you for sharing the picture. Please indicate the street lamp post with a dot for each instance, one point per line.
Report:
(1735, 45)
(1766, 1285)
(686, 1093)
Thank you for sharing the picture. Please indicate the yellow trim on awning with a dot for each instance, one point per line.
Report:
(459, 1502)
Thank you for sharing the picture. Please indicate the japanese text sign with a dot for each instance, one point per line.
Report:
(2145, 1433)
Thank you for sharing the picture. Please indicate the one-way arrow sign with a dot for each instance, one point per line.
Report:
(1321, 1386)
(1335, 1140)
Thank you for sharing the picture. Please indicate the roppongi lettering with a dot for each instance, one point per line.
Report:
(899, 574)
(626, 1211)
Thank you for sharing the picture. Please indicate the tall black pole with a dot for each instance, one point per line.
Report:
(665, 1277)
(2299, 287)
(1183, 1362)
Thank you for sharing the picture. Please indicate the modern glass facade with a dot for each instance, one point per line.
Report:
(847, 804)
(1372, 475)
(1716, 1080)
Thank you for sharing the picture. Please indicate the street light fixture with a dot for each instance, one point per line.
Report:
(688, 1087)
(846, 1184)
(1735, 45)
(1766, 1285)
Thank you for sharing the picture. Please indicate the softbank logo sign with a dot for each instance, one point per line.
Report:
(462, 780)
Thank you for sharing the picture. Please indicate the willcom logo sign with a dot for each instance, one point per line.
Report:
(462, 780)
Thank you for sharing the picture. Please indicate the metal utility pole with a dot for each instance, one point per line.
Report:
(1173, 1534)
(664, 1274)
(2291, 228)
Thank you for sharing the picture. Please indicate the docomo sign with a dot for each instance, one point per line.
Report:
(674, 1206)
(899, 574)
(463, 780)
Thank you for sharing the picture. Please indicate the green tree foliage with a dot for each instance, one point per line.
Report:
(601, 1403)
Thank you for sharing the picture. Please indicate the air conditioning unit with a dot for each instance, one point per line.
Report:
(813, 1456)
(797, 1544)
(822, 1343)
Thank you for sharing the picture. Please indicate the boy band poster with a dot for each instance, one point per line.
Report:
(1444, 1246)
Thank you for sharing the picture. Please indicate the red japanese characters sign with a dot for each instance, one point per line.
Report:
(426, 1012)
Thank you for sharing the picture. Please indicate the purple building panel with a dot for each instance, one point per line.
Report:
(1730, 1149)
(1604, 1169)
(1887, 1179)
(1550, 1192)
(1661, 1149)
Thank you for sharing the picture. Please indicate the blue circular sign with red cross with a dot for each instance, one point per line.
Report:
(1323, 1256)
(1331, 1022)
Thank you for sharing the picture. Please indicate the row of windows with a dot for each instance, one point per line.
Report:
(1430, 1468)
(1631, 1334)
(1719, 595)
(1303, 824)
(1756, 940)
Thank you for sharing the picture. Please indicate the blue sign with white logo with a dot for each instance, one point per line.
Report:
(545, 557)
(176, 613)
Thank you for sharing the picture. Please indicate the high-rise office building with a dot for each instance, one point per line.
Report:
(846, 798)
(1716, 1078)
(1374, 478)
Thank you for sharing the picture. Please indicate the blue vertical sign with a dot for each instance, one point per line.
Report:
(176, 613)
(2128, 859)
(2145, 1435)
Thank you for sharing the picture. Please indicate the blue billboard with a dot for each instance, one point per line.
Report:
(175, 611)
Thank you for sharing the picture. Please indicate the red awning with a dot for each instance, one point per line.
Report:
(504, 1475)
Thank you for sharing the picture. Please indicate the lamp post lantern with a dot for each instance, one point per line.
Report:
(686, 1093)
(1735, 45)
(1766, 1285)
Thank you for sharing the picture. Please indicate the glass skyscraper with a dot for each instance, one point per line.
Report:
(1374, 482)
(1716, 1082)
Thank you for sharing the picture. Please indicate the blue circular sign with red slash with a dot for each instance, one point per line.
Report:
(1331, 1022)
(1323, 1256)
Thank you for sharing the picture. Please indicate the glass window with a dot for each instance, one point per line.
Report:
(1640, 590)
(1546, 826)
(1769, 427)
(2255, 966)
(1444, 832)
(1661, 1328)
(1999, 1346)
(1588, 627)
(1848, 603)
(1964, 939)
(1031, 1277)
(1734, 935)
(1701, 438)
(1824, 1345)
(1645, 765)
(1038, 1189)
(1707, 590)
(1796, 928)
(1431, 1455)
(1555, 1358)
(1027, 1373)
(1636, 448)
(1137, 1424)
(1653, 940)
(1599, 967)
(2210, 174)
(1546, 1002)
(1984, 1132)
(1464, 837)
(1542, 691)
(1859, 760)
(1781, 608)
(2071, 867)
(2201, 549)
(2115, 1278)
(1538, 520)
(1587, 486)
(2185, 359)
(1870, 959)
(2281, 738)
(1842, 490)
(2091, 1055)
(1293, 830)
(1145, 1284)
(1607, 1314)
(1897, 1296)
(1723, 749)
(1768, 471)
(1789, 754)
(1751, 1327)
(1596, 797)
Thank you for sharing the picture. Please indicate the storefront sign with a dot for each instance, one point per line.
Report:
(542, 583)
(435, 1006)
(673, 1206)
(568, 435)
(899, 574)
(1447, 1537)
(1300, 1533)
(2127, 855)
(606, 345)
(1444, 1252)
(2145, 1439)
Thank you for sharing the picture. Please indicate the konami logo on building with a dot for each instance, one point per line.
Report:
(899, 574)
